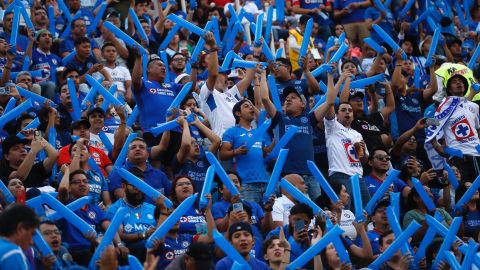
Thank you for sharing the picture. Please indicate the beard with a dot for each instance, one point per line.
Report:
(134, 198)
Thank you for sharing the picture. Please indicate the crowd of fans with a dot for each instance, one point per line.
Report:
(82, 108)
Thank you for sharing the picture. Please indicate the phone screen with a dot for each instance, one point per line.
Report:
(299, 225)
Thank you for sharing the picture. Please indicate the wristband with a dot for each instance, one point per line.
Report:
(214, 49)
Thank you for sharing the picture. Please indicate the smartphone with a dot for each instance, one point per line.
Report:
(237, 207)
(21, 196)
(432, 122)
(38, 135)
(299, 225)
(4, 91)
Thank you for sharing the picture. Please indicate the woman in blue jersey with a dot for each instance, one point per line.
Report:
(183, 187)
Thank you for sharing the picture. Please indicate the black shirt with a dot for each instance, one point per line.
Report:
(37, 177)
(371, 128)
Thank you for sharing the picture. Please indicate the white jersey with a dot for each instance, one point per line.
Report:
(346, 224)
(281, 209)
(95, 141)
(218, 107)
(460, 130)
(342, 156)
(119, 75)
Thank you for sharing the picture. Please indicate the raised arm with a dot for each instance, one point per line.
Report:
(389, 101)
(397, 147)
(209, 134)
(327, 109)
(52, 155)
(250, 74)
(121, 133)
(186, 140)
(213, 63)
(430, 91)
(396, 82)
(137, 73)
(313, 85)
(267, 103)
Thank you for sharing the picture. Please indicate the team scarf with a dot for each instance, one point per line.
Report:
(442, 114)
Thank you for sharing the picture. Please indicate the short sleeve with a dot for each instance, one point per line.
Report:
(228, 135)
(205, 92)
(217, 212)
(329, 125)
(277, 211)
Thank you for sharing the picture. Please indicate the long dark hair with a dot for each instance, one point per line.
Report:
(174, 184)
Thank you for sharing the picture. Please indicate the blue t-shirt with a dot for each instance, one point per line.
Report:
(374, 183)
(138, 220)
(408, 110)
(93, 216)
(153, 100)
(471, 224)
(98, 184)
(173, 248)
(68, 45)
(301, 145)
(82, 67)
(373, 236)
(249, 166)
(20, 49)
(227, 263)
(191, 217)
(46, 62)
(196, 170)
(152, 176)
(356, 15)
(386, 24)
(12, 256)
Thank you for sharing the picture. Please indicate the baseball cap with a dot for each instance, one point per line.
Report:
(96, 110)
(355, 94)
(82, 122)
(10, 142)
(238, 227)
(290, 89)
(180, 77)
(202, 254)
(40, 32)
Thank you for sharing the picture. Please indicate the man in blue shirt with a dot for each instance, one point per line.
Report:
(84, 62)
(137, 157)
(17, 226)
(301, 145)
(241, 237)
(380, 225)
(72, 187)
(47, 61)
(282, 70)
(140, 224)
(351, 16)
(153, 96)
(53, 237)
(22, 41)
(247, 162)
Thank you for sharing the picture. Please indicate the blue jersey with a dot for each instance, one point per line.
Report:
(82, 67)
(98, 184)
(93, 216)
(46, 62)
(301, 145)
(191, 217)
(249, 166)
(356, 15)
(196, 170)
(152, 176)
(153, 100)
(373, 236)
(173, 248)
(227, 263)
(386, 24)
(138, 220)
(12, 256)
(408, 111)
(20, 49)
(374, 183)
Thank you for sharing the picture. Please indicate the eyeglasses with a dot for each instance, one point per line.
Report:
(382, 158)
(181, 184)
(380, 210)
(78, 182)
(179, 59)
(50, 232)
(412, 139)
(73, 77)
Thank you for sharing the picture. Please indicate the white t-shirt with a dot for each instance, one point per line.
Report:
(281, 209)
(346, 224)
(342, 156)
(460, 130)
(96, 142)
(119, 75)
(218, 107)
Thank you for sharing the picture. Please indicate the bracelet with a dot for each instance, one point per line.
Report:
(257, 85)
(256, 56)
(5, 67)
(163, 213)
(123, 123)
(214, 49)
(397, 65)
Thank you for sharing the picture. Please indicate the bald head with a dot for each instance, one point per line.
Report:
(297, 181)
